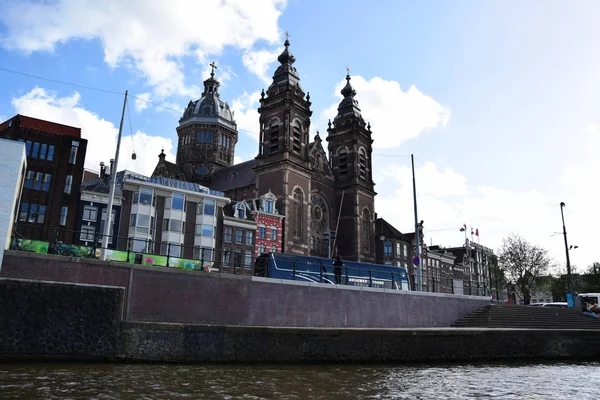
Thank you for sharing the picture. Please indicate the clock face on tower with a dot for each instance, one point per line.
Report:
(319, 214)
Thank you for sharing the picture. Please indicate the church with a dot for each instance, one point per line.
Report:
(327, 197)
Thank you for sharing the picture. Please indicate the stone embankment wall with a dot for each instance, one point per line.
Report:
(48, 319)
(155, 294)
(187, 343)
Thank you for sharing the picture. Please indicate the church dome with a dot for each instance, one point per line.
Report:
(209, 108)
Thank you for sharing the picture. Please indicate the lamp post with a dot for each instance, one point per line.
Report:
(569, 282)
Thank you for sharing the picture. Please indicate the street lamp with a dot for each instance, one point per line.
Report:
(569, 282)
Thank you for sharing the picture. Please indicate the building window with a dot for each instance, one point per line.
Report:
(262, 232)
(28, 148)
(32, 213)
(23, 212)
(249, 238)
(73, 155)
(228, 234)
(43, 150)
(273, 234)
(29, 180)
(262, 249)
(248, 259)
(68, 184)
(238, 235)
(297, 211)
(367, 228)
(241, 210)
(207, 231)
(200, 207)
(36, 150)
(141, 223)
(398, 250)
(273, 137)
(269, 206)
(343, 162)
(50, 155)
(46, 184)
(170, 248)
(173, 225)
(63, 216)
(37, 185)
(273, 249)
(175, 202)
(144, 196)
(204, 254)
(209, 207)
(362, 163)
(41, 214)
(90, 213)
(405, 253)
(87, 233)
(226, 258)
(297, 138)
(387, 249)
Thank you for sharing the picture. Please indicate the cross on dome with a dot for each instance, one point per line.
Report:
(213, 67)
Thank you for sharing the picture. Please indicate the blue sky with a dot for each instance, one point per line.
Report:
(498, 100)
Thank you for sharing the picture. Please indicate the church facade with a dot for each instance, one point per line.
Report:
(326, 196)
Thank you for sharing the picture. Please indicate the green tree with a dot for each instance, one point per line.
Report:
(523, 264)
(591, 279)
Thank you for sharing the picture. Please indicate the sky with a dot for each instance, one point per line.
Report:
(498, 101)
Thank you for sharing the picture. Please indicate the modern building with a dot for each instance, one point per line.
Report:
(55, 158)
(169, 217)
(317, 190)
(269, 224)
(13, 164)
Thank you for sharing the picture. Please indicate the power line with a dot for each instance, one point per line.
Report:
(87, 87)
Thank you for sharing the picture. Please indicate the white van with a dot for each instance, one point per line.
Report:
(592, 298)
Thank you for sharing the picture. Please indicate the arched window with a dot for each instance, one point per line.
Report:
(297, 210)
(366, 217)
(297, 138)
(362, 163)
(274, 137)
(319, 162)
(343, 162)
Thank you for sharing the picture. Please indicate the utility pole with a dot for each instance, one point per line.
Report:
(111, 194)
(417, 230)
(569, 281)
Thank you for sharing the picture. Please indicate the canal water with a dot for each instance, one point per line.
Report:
(579, 381)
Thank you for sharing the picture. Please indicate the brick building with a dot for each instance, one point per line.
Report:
(269, 223)
(55, 159)
(311, 184)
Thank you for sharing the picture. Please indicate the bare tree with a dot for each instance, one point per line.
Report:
(523, 264)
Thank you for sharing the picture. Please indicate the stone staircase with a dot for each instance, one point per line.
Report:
(517, 316)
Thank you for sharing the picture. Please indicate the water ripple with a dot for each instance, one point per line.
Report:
(254, 382)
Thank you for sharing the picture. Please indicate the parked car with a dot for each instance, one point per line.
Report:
(558, 304)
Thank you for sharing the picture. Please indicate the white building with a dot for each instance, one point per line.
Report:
(13, 164)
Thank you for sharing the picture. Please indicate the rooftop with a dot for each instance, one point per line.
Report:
(42, 125)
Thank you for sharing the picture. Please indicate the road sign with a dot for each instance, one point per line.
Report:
(416, 260)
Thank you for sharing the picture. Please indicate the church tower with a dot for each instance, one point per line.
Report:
(350, 152)
(207, 134)
(283, 155)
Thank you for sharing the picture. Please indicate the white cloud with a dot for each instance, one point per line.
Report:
(259, 61)
(100, 133)
(246, 113)
(141, 101)
(152, 36)
(395, 115)
(237, 160)
(446, 200)
(223, 73)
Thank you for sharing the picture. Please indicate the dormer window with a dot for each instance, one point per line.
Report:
(241, 211)
(268, 206)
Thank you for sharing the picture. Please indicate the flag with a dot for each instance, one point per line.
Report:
(477, 232)
(463, 228)
(472, 233)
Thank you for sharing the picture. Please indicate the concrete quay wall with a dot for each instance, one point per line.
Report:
(210, 344)
(158, 294)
